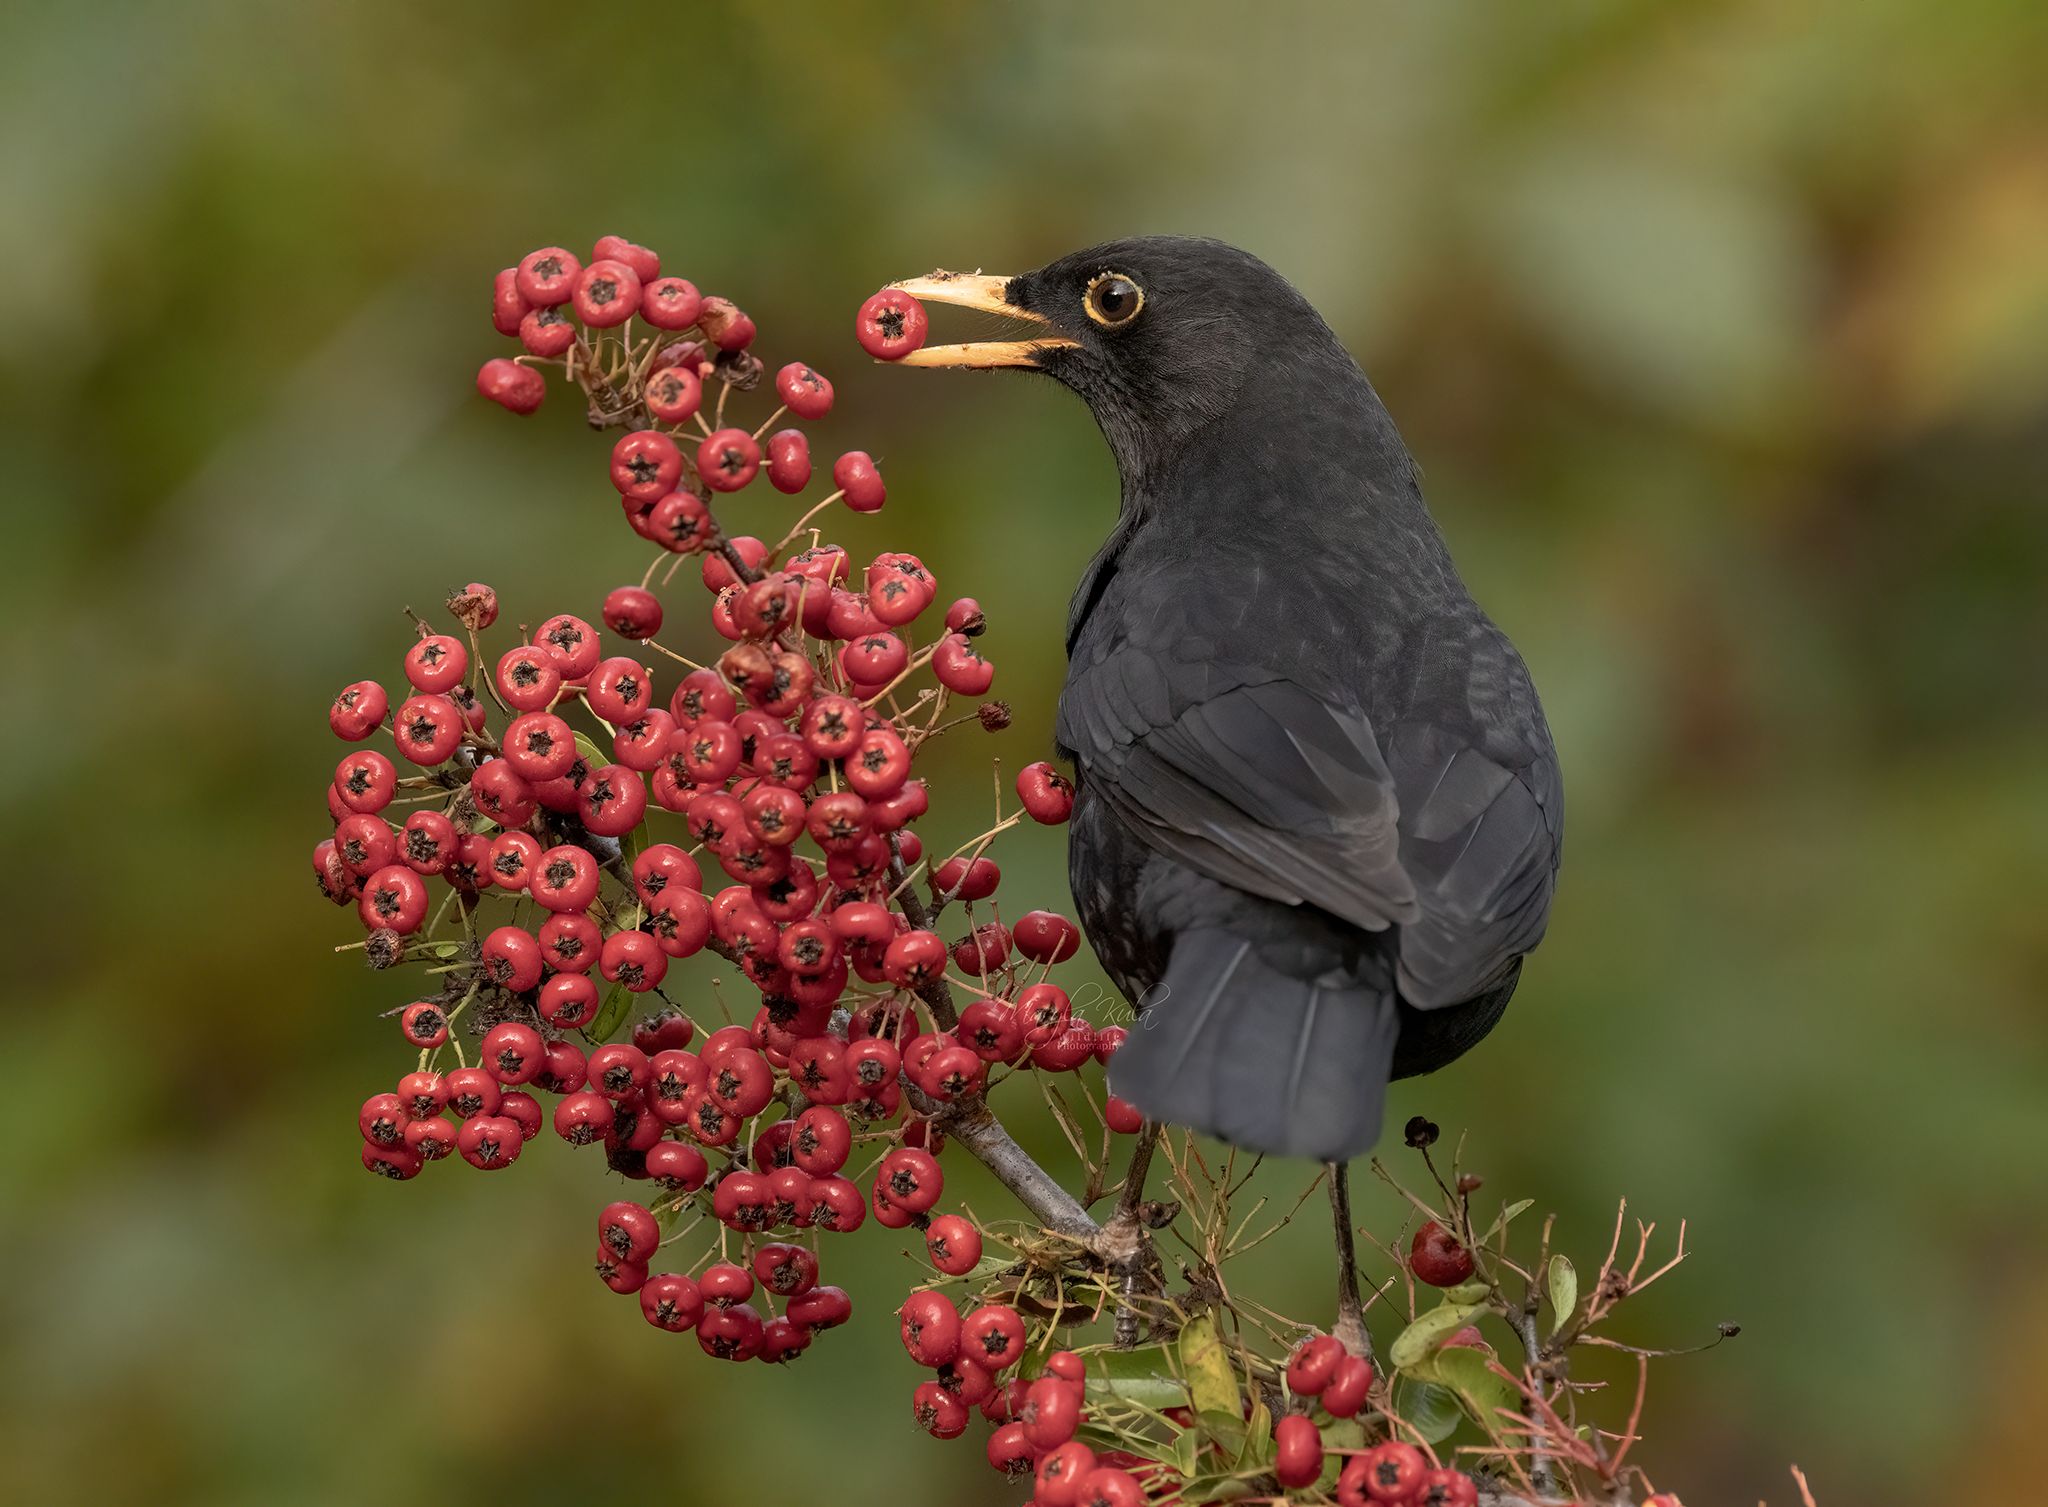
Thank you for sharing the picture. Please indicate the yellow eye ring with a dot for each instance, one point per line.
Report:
(1113, 300)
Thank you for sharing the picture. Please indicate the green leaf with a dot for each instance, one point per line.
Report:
(1215, 1489)
(1227, 1429)
(587, 750)
(1143, 1376)
(1338, 1434)
(1506, 1217)
(1187, 1450)
(1211, 1381)
(1432, 1411)
(1467, 1373)
(634, 843)
(617, 1001)
(1420, 1339)
(1467, 1292)
(1564, 1291)
(1256, 1454)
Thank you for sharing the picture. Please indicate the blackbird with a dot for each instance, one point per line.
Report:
(1318, 811)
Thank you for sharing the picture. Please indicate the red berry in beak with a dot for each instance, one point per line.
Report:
(891, 325)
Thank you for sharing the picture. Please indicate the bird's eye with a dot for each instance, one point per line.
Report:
(1114, 300)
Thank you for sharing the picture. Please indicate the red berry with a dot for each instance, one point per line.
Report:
(547, 277)
(399, 1163)
(489, 1141)
(1297, 1451)
(564, 880)
(546, 333)
(854, 475)
(1048, 795)
(632, 612)
(612, 800)
(511, 958)
(507, 306)
(1051, 1411)
(992, 1336)
(879, 765)
(570, 644)
(967, 879)
(607, 293)
(427, 729)
(364, 844)
(472, 1091)
(365, 781)
(938, 1412)
(954, 1245)
(1045, 937)
(383, 1119)
(1436, 1257)
(677, 1166)
(891, 325)
(875, 659)
(628, 1231)
(620, 1070)
(803, 391)
(584, 1117)
(527, 678)
(358, 711)
(1314, 1364)
(621, 1277)
(1453, 1488)
(512, 1052)
(424, 1023)
(959, 666)
(1061, 1471)
(1393, 1471)
(423, 1094)
(646, 465)
(674, 394)
(789, 461)
(1009, 1451)
(511, 386)
(645, 264)
(728, 326)
(1122, 1116)
(727, 459)
(394, 899)
(564, 1069)
(431, 1139)
(785, 1270)
(671, 1301)
(914, 959)
(931, 1328)
(1110, 1486)
(670, 303)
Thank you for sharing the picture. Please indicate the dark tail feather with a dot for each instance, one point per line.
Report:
(1258, 1059)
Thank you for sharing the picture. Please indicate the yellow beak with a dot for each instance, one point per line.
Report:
(975, 290)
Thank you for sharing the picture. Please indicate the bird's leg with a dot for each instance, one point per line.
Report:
(1350, 1326)
(1125, 1242)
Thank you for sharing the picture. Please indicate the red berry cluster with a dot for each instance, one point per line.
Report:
(1034, 1420)
(1327, 1377)
(530, 876)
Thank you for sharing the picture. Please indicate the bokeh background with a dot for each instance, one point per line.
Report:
(1720, 330)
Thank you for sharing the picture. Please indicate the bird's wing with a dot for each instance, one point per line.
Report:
(1243, 775)
(1482, 810)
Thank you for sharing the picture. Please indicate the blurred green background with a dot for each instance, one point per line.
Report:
(1721, 333)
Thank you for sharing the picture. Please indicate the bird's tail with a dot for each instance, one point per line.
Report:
(1275, 1064)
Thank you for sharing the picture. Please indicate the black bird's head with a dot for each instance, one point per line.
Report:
(1159, 335)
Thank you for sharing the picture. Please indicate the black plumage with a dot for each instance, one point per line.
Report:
(1319, 810)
